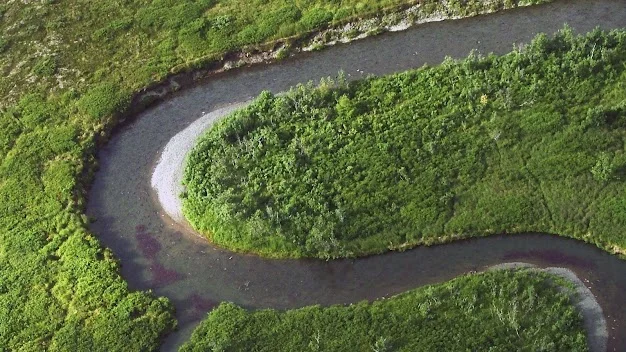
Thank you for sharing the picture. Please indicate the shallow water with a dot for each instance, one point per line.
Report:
(169, 259)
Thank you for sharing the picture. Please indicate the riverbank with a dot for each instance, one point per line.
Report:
(391, 19)
(512, 309)
(583, 299)
(167, 176)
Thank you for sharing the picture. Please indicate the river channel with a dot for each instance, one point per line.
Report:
(173, 261)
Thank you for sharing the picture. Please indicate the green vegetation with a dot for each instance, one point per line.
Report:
(505, 310)
(59, 290)
(529, 141)
(59, 44)
(67, 71)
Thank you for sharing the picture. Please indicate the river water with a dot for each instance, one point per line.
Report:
(171, 260)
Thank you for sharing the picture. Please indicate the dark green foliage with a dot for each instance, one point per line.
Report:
(34, 110)
(507, 311)
(4, 44)
(530, 141)
(112, 29)
(45, 66)
(10, 131)
(171, 14)
(103, 100)
(603, 169)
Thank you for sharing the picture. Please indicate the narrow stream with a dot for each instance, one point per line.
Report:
(172, 261)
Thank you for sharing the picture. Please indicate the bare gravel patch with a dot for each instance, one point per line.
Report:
(167, 176)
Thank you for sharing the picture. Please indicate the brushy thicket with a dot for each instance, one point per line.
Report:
(529, 141)
(496, 311)
(59, 290)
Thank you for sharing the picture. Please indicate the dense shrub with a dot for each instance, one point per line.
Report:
(170, 14)
(314, 18)
(4, 44)
(507, 311)
(250, 34)
(103, 100)
(479, 146)
(112, 29)
(45, 66)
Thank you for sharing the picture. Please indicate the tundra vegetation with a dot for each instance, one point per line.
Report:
(59, 46)
(532, 141)
(497, 311)
(529, 141)
(67, 72)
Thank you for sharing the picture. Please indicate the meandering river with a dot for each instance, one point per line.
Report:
(171, 260)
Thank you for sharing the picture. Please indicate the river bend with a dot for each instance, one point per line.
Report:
(168, 258)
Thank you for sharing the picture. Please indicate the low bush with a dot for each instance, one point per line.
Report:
(45, 66)
(314, 18)
(104, 99)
